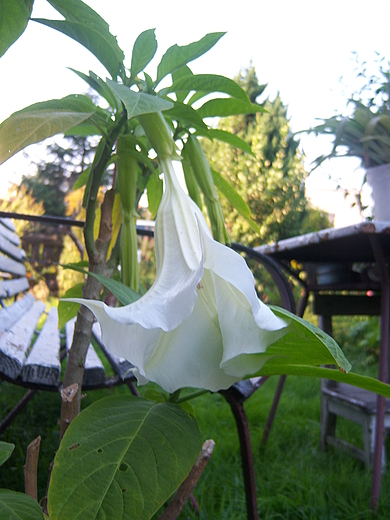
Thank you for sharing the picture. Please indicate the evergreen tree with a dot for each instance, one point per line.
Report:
(272, 181)
(56, 175)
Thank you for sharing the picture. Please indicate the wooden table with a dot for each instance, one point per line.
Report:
(353, 260)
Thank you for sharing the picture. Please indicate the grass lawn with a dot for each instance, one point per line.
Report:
(295, 479)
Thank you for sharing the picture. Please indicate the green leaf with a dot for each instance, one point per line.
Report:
(41, 120)
(209, 83)
(68, 310)
(82, 179)
(18, 506)
(14, 16)
(138, 103)
(367, 383)
(85, 26)
(122, 457)
(6, 450)
(304, 344)
(100, 87)
(232, 139)
(124, 294)
(154, 190)
(177, 56)
(176, 75)
(235, 199)
(225, 107)
(144, 49)
(188, 117)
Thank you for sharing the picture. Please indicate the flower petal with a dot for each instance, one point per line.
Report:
(190, 355)
(130, 341)
(231, 267)
(243, 339)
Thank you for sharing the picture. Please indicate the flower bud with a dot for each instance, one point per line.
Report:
(201, 169)
(189, 177)
(158, 134)
(127, 185)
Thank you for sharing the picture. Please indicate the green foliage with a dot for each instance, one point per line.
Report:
(123, 457)
(6, 449)
(18, 506)
(140, 451)
(89, 29)
(177, 56)
(138, 103)
(270, 180)
(236, 201)
(68, 310)
(207, 84)
(41, 120)
(14, 16)
(145, 47)
(364, 132)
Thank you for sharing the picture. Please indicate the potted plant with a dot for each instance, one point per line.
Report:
(365, 133)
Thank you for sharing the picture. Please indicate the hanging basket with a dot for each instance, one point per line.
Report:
(378, 179)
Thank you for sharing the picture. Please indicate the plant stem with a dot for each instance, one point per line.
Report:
(76, 359)
(31, 467)
(183, 493)
(98, 169)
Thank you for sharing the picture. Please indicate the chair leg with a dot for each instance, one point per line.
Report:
(16, 410)
(369, 443)
(272, 412)
(238, 411)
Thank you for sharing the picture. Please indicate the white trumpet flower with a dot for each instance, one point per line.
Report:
(201, 324)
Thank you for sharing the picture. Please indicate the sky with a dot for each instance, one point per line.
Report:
(301, 48)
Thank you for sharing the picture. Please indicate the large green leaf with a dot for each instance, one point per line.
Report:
(187, 115)
(209, 83)
(176, 75)
(232, 139)
(235, 199)
(18, 506)
(6, 450)
(144, 49)
(304, 348)
(304, 344)
(41, 120)
(124, 294)
(100, 87)
(138, 103)
(225, 107)
(122, 458)
(367, 383)
(85, 26)
(177, 56)
(14, 16)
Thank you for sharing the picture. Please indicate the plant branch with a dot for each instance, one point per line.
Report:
(30, 468)
(187, 486)
(77, 243)
(102, 157)
(69, 407)
(82, 336)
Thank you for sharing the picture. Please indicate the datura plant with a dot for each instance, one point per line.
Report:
(201, 324)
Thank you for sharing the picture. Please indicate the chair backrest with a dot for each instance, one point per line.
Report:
(13, 278)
